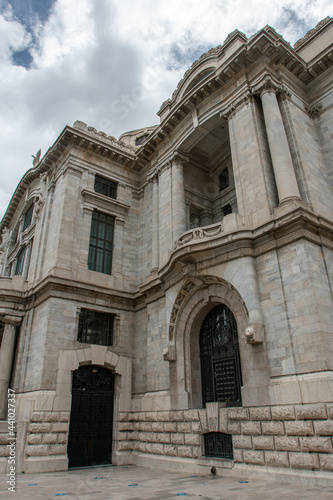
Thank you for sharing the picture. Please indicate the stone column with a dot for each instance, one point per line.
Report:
(178, 197)
(280, 153)
(155, 226)
(6, 359)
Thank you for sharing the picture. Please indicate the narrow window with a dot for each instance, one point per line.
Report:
(224, 179)
(95, 328)
(106, 187)
(101, 243)
(218, 445)
(28, 218)
(20, 263)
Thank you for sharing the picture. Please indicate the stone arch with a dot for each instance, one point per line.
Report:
(70, 360)
(188, 315)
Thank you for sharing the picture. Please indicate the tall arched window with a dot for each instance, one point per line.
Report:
(219, 356)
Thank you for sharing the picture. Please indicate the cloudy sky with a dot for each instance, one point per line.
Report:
(111, 63)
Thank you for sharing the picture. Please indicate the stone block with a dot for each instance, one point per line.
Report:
(64, 416)
(283, 412)
(197, 451)
(277, 458)
(151, 416)
(124, 445)
(275, 428)
(238, 414)
(196, 427)
(60, 427)
(41, 427)
(287, 443)
(184, 427)
(324, 428)
(37, 416)
(177, 438)
(4, 439)
(242, 442)
(37, 450)
(263, 442)
(238, 456)
(193, 439)
(157, 449)
(311, 412)
(122, 417)
(176, 416)
(326, 462)
(122, 436)
(304, 461)
(125, 426)
(234, 428)
(157, 426)
(52, 416)
(145, 426)
(260, 413)
(170, 427)
(4, 451)
(254, 457)
(252, 428)
(170, 450)
(185, 451)
(316, 444)
(49, 438)
(330, 410)
(299, 428)
(62, 438)
(163, 416)
(58, 449)
(191, 416)
(35, 438)
(163, 437)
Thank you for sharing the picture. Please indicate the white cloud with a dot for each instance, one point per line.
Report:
(112, 64)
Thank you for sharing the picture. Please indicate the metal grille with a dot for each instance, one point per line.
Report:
(106, 187)
(219, 353)
(219, 445)
(101, 243)
(95, 327)
(90, 432)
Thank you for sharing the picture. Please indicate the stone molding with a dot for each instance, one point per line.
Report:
(12, 320)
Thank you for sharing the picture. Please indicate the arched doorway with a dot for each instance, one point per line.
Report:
(219, 357)
(90, 431)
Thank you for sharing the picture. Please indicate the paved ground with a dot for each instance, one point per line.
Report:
(137, 483)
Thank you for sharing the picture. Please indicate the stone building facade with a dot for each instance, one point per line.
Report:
(166, 298)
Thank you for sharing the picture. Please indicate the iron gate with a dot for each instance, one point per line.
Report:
(90, 431)
(219, 355)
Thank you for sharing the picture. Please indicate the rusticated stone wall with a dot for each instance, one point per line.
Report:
(47, 434)
(295, 436)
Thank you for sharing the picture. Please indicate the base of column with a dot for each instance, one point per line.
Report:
(288, 205)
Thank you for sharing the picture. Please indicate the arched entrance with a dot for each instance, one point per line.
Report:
(219, 357)
(90, 431)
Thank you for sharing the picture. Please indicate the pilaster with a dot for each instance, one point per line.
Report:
(7, 353)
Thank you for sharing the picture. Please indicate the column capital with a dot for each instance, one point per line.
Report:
(269, 84)
(237, 104)
(11, 320)
(178, 157)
